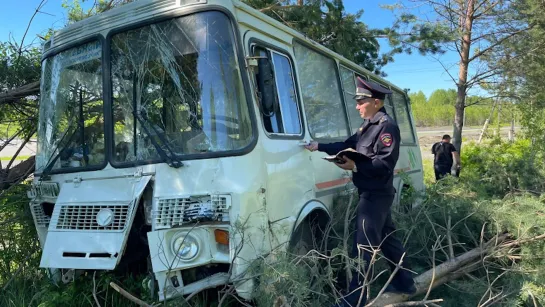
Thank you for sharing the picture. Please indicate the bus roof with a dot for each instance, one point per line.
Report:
(141, 9)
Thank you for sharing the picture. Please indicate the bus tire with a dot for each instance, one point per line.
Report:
(310, 234)
(302, 239)
(403, 208)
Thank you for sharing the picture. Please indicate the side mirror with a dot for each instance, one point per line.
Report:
(266, 85)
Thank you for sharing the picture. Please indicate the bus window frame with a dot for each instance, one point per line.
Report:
(256, 42)
(239, 53)
(354, 74)
(409, 117)
(53, 52)
(339, 86)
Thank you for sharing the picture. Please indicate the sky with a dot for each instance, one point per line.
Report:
(415, 72)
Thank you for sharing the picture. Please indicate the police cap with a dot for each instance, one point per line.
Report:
(370, 89)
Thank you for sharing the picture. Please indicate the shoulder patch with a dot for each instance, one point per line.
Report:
(383, 119)
(386, 139)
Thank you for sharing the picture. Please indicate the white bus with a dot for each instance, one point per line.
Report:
(171, 130)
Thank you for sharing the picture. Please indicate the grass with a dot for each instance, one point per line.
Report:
(7, 130)
(429, 174)
(17, 158)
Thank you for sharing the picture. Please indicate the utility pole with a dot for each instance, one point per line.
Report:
(486, 122)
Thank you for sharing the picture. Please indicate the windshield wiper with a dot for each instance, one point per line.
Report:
(47, 169)
(171, 159)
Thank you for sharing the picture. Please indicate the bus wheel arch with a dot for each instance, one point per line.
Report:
(401, 188)
(310, 229)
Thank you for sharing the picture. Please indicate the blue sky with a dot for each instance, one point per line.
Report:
(414, 71)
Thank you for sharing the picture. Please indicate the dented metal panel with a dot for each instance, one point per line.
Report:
(95, 248)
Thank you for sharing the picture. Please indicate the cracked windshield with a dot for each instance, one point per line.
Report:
(177, 89)
(71, 132)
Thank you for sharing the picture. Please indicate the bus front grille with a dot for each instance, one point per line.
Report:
(92, 217)
(171, 212)
(40, 218)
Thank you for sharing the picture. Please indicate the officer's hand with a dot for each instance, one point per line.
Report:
(347, 165)
(312, 146)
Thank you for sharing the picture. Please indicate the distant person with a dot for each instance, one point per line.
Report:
(444, 155)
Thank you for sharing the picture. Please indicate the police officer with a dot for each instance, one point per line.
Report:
(377, 138)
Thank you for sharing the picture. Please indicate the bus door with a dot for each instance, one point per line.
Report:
(287, 164)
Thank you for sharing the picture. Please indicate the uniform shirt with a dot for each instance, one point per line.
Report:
(378, 139)
(443, 153)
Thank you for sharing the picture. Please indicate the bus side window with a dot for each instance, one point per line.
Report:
(403, 118)
(388, 104)
(349, 88)
(284, 119)
(321, 91)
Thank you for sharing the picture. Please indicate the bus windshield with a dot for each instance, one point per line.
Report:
(180, 78)
(71, 126)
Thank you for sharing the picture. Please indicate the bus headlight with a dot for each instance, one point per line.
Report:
(185, 247)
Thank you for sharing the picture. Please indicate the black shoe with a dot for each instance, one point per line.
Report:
(391, 289)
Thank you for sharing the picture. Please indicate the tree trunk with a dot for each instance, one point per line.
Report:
(300, 2)
(498, 127)
(459, 117)
(512, 130)
(466, 26)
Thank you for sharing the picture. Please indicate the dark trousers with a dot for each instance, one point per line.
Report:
(441, 170)
(375, 228)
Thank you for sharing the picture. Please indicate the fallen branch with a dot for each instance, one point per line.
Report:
(20, 92)
(129, 296)
(455, 268)
(17, 174)
(415, 303)
(95, 290)
(444, 272)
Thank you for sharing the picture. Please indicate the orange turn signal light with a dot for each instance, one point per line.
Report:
(222, 236)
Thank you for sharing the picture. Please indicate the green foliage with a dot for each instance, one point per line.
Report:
(18, 239)
(514, 167)
(18, 66)
(520, 61)
(439, 110)
(407, 34)
(327, 22)
(481, 203)
(77, 10)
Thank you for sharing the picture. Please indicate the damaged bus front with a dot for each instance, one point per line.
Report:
(144, 128)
